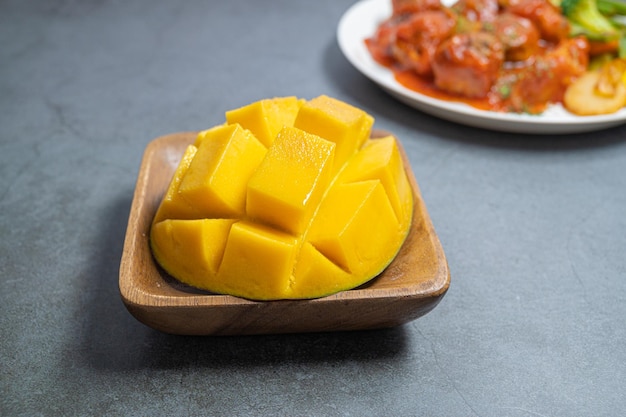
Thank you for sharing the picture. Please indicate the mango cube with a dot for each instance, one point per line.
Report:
(380, 159)
(315, 273)
(265, 118)
(288, 185)
(172, 206)
(347, 126)
(349, 218)
(259, 259)
(195, 246)
(216, 180)
(313, 208)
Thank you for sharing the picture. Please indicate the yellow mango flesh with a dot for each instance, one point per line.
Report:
(258, 261)
(289, 184)
(350, 217)
(338, 122)
(320, 209)
(215, 182)
(194, 248)
(265, 118)
(380, 159)
(172, 206)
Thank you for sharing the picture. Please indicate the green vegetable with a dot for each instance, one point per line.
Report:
(611, 7)
(615, 10)
(586, 19)
(621, 50)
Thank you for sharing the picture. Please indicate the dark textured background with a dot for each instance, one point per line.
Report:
(534, 229)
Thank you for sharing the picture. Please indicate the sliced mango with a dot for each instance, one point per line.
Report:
(288, 185)
(315, 273)
(215, 182)
(380, 159)
(351, 216)
(258, 261)
(265, 118)
(192, 248)
(173, 206)
(323, 209)
(334, 120)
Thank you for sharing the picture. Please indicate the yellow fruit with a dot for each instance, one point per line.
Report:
(322, 209)
(338, 122)
(192, 248)
(265, 118)
(172, 206)
(216, 180)
(288, 185)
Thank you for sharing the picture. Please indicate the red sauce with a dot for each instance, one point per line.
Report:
(533, 96)
(527, 85)
(414, 82)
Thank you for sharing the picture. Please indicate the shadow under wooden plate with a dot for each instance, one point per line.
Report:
(411, 286)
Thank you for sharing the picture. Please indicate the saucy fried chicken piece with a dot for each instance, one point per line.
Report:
(380, 45)
(519, 36)
(414, 6)
(467, 64)
(418, 36)
(552, 25)
(547, 79)
(477, 10)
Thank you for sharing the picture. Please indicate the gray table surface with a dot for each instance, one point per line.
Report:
(534, 229)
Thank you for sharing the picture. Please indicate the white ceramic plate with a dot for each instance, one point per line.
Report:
(361, 20)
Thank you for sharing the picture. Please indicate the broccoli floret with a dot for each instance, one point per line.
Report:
(586, 19)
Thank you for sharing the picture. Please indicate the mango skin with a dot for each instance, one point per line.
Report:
(309, 215)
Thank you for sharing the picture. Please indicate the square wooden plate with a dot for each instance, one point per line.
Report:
(411, 286)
